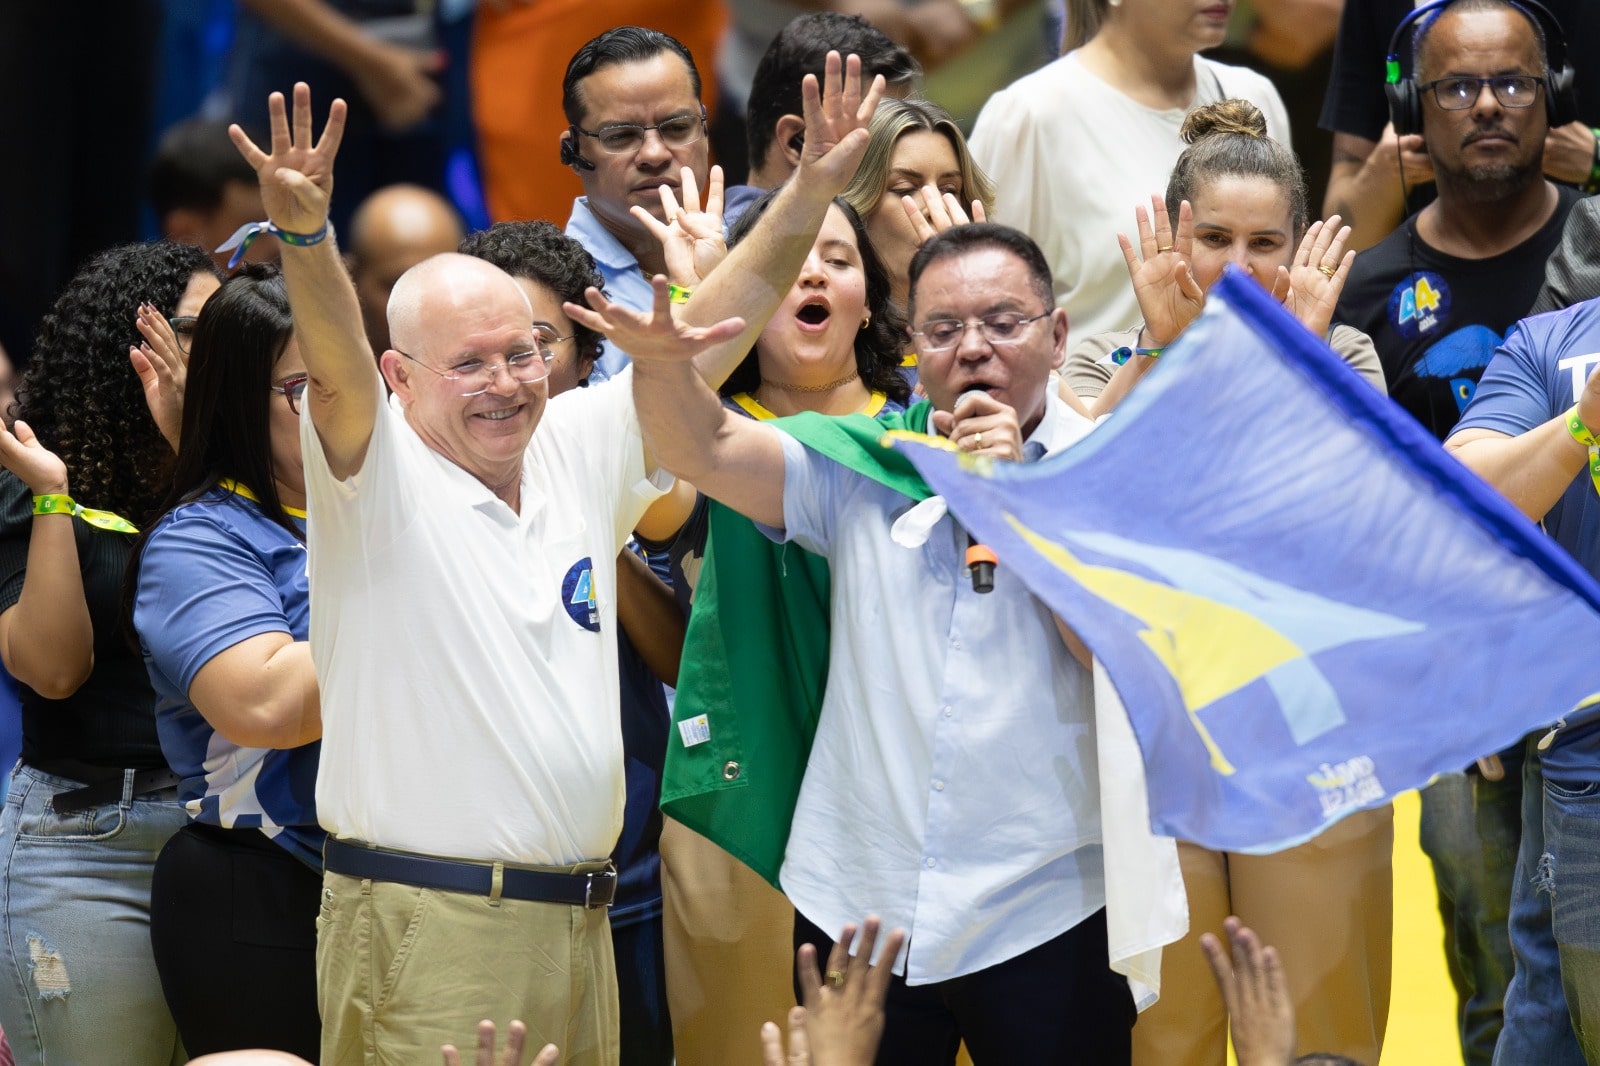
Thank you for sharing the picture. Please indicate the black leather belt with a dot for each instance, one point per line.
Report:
(102, 785)
(594, 889)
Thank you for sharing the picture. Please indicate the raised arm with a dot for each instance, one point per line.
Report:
(46, 637)
(1364, 182)
(755, 277)
(686, 429)
(296, 184)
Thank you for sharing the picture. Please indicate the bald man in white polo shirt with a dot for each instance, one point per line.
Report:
(463, 627)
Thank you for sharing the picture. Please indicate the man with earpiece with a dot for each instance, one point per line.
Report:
(632, 100)
(1481, 82)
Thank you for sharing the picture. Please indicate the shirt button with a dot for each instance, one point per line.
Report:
(947, 711)
(956, 644)
(938, 786)
(929, 863)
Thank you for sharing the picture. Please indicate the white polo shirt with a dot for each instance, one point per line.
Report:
(467, 654)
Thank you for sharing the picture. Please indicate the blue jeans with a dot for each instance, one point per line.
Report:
(1538, 1028)
(80, 984)
(1470, 830)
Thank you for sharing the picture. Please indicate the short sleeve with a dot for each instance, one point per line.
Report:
(201, 591)
(1355, 103)
(1359, 354)
(1089, 368)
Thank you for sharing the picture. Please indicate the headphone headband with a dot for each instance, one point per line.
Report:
(1534, 11)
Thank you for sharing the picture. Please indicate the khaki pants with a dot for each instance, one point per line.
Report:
(729, 950)
(1327, 906)
(402, 970)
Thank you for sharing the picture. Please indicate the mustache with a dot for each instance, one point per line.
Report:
(1493, 131)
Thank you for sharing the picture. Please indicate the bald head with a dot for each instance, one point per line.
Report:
(250, 1058)
(437, 301)
(392, 231)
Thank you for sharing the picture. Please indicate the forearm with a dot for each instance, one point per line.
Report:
(649, 614)
(1368, 196)
(680, 417)
(318, 28)
(344, 390)
(755, 277)
(1532, 470)
(261, 693)
(48, 638)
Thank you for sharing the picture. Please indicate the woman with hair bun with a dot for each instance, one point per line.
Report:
(92, 800)
(1327, 905)
(1069, 143)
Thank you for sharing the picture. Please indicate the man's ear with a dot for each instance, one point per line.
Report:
(1058, 332)
(789, 136)
(396, 375)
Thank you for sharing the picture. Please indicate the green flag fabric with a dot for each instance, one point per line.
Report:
(755, 658)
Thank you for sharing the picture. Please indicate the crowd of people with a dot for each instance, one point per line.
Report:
(422, 617)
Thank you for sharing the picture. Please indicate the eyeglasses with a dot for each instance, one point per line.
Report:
(1512, 90)
(625, 139)
(291, 389)
(999, 329)
(183, 329)
(474, 377)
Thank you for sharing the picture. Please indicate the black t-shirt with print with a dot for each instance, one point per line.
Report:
(1436, 319)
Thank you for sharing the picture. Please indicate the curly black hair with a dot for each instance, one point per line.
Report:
(878, 344)
(541, 252)
(81, 395)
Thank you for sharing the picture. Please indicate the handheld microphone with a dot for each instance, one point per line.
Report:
(981, 560)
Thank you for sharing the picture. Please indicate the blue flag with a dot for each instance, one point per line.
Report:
(1305, 604)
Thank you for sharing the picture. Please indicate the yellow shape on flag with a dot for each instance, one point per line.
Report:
(1211, 649)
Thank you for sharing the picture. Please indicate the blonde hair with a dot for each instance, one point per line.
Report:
(1229, 139)
(893, 120)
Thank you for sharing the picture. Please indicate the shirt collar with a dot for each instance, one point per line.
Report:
(601, 243)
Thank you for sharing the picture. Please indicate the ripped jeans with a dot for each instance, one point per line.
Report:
(1555, 938)
(80, 986)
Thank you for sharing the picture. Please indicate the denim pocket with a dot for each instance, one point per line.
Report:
(38, 820)
(1571, 790)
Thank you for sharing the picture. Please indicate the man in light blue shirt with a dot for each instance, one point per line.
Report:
(632, 97)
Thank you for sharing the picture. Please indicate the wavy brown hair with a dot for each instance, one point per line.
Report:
(81, 395)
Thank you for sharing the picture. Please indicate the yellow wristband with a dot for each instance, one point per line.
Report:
(1580, 432)
(678, 294)
(60, 503)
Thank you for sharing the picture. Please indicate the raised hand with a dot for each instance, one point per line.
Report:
(297, 177)
(1250, 977)
(1169, 297)
(691, 238)
(1310, 288)
(163, 369)
(844, 1017)
(937, 213)
(655, 334)
(36, 466)
(836, 117)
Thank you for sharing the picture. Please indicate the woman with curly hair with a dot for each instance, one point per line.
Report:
(92, 800)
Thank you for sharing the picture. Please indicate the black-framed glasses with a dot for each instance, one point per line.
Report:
(183, 330)
(624, 139)
(291, 389)
(1000, 328)
(1459, 93)
(474, 377)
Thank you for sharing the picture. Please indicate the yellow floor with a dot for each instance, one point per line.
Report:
(1422, 1007)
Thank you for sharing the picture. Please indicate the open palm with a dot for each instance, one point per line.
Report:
(297, 176)
(1168, 295)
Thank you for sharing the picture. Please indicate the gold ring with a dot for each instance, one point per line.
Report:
(1326, 271)
(977, 438)
(1163, 247)
(836, 978)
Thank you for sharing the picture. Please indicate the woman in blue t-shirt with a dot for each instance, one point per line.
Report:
(221, 609)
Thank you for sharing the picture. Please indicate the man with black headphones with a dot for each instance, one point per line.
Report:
(1365, 183)
(632, 98)
(1436, 296)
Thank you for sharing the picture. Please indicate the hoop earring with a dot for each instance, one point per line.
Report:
(865, 322)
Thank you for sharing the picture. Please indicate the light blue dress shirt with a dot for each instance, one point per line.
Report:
(625, 283)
